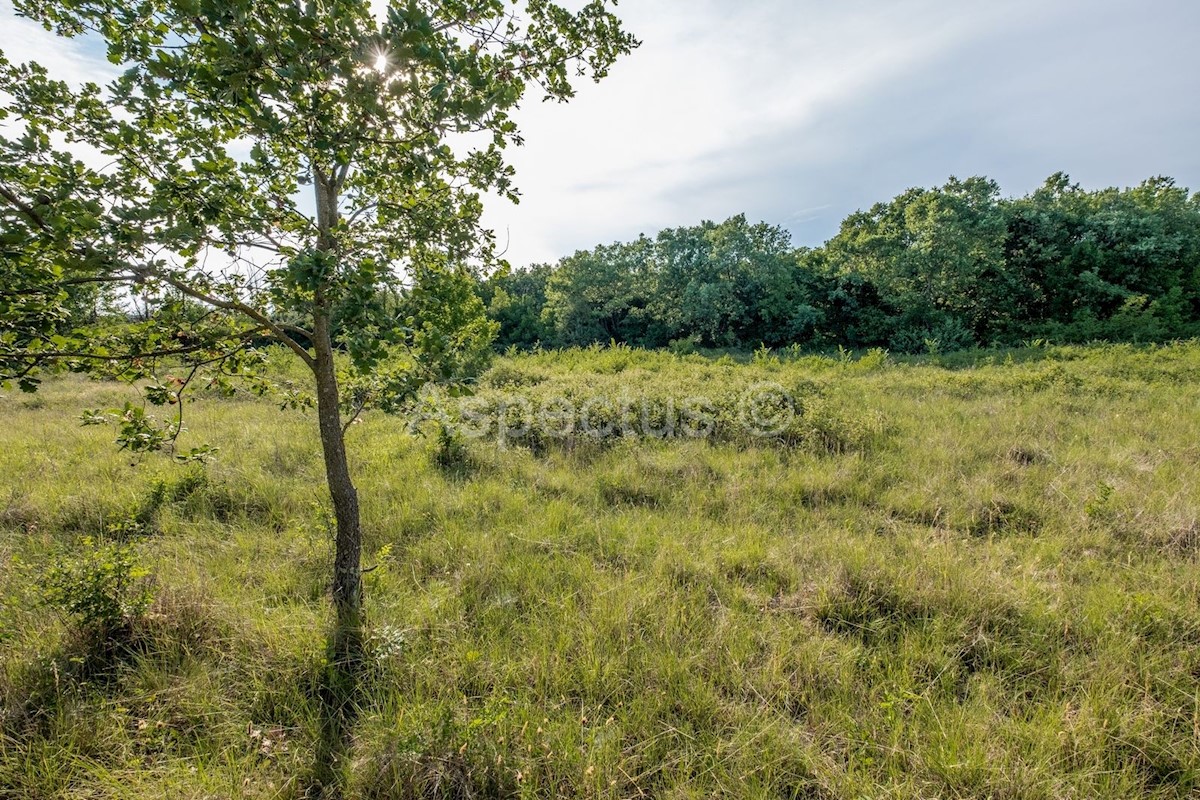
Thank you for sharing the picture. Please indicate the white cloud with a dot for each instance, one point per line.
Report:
(766, 106)
(680, 111)
(799, 111)
(76, 61)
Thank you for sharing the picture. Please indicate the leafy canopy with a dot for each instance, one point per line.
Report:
(259, 169)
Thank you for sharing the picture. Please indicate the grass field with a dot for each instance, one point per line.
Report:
(973, 576)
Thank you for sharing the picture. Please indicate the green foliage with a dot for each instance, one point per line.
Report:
(724, 284)
(450, 449)
(932, 271)
(595, 296)
(515, 300)
(103, 585)
(215, 250)
(446, 341)
(450, 334)
(137, 432)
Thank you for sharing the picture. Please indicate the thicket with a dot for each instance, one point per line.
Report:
(933, 270)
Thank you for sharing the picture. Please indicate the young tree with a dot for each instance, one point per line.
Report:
(265, 168)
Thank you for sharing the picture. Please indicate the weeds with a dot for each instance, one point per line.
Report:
(103, 586)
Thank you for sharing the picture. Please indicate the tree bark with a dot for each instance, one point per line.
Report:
(347, 577)
(347, 560)
(341, 681)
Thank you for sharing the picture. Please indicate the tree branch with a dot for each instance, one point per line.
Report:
(70, 282)
(23, 207)
(160, 353)
(358, 409)
(234, 305)
(230, 305)
(296, 329)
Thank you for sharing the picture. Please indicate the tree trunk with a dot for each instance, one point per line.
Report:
(347, 571)
(347, 580)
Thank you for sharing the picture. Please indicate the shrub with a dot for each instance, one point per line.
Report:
(104, 586)
(450, 451)
(685, 346)
(940, 335)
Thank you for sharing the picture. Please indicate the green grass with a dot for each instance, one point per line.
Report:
(973, 577)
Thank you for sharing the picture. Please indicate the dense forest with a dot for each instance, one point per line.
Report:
(932, 270)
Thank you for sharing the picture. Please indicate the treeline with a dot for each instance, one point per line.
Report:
(945, 268)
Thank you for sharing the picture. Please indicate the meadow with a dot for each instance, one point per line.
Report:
(968, 575)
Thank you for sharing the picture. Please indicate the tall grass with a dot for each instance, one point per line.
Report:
(993, 594)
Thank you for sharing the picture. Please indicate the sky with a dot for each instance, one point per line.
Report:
(799, 112)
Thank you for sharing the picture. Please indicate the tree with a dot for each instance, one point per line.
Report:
(266, 168)
(596, 295)
(1110, 264)
(727, 284)
(515, 301)
(757, 265)
(935, 255)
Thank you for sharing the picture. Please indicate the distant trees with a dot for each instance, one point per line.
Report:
(729, 284)
(514, 300)
(600, 294)
(946, 268)
(936, 260)
(1113, 264)
(720, 285)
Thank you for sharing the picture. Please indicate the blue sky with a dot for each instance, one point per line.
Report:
(798, 113)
